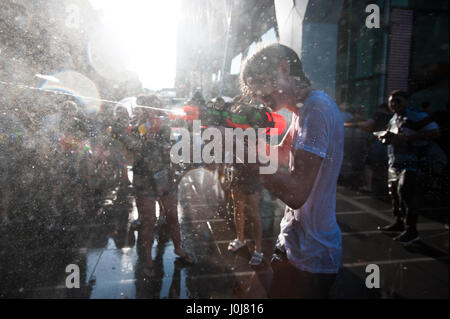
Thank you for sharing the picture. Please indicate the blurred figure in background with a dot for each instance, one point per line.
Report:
(408, 133)
(73, 154)
(153, 177)
(11, 137)
(246, 194)
(121, 122)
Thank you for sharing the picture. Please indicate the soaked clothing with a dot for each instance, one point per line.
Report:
(407, 156)
(405, 198)
(292, 283)
(310, 236)
(405, 164)
(153, 174)
(243, 180)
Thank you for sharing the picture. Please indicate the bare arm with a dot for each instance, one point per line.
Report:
(283, 148)
(294, 188)
(419, 136)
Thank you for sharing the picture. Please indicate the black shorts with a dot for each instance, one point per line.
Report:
(291, 282)
(244, 181)
(145, 186)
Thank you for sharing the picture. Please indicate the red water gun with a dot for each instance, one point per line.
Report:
(243, 117)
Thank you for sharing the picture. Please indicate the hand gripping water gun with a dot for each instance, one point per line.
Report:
(73, 145)
(241, 116)
(12, 137)
(152, 125)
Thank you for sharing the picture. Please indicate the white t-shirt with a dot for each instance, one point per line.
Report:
(313, 242)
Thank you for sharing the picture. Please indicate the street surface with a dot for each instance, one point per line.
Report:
(34, 259)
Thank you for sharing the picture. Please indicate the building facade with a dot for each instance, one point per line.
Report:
(409, 51)
(341, 55)
(213, 38)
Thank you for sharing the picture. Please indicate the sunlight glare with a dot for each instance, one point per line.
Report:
(146, 30)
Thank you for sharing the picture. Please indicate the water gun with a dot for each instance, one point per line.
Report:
(70, 144)
(152, 124)
(5, 138)
(245, 116)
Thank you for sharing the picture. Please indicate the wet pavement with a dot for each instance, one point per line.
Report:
(34, 258)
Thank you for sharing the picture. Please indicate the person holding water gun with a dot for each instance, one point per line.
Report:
(73, 153)
(154, 178)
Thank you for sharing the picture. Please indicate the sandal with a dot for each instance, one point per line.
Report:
(235, 245)
(256, 259)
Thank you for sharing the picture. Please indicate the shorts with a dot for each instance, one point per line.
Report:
(292, 283)
(145, 186)
(244, 181)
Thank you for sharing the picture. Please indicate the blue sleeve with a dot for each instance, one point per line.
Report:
(313, 134)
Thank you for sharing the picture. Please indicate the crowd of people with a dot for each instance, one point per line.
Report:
(60, 150)
(51, 151)
(58, 163)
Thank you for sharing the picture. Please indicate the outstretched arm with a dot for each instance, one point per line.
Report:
(309, 149)
(283, 148)
(293, 188)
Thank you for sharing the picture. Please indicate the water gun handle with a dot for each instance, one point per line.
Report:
(275, 121)
(235, 120)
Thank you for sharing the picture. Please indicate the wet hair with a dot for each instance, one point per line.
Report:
(267, 59)
(399, 93)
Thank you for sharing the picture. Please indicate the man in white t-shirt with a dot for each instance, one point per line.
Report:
(309, 247)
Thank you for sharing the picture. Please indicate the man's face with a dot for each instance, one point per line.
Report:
(266, 91)
(397, 104)
(274, 91)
